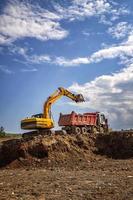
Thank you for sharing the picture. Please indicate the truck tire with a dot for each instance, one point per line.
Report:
(93, 129)
(77, 130)
(67, 129)
(101, 130)
(84, 130)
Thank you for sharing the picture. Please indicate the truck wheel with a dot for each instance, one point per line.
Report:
(101, 130)
(64, 132)
(93, 129)
(84, 130)
(67, 130)
(77, 130)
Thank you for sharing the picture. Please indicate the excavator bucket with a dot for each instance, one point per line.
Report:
(79, 98)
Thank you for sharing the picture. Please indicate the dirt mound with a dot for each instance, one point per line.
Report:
(117, 144)
(47, 150)
(64, 150)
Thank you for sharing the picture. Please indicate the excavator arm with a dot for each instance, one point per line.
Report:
(57, 95)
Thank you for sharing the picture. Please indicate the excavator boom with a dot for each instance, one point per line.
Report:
(44, 121)
(57, 95)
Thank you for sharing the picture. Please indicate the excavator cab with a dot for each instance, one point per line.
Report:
(40, 115)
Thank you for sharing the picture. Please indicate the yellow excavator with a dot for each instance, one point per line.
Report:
(43, 122)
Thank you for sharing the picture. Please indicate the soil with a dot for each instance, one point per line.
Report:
(68, 167)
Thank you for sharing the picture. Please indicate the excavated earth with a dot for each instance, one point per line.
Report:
(61, 166)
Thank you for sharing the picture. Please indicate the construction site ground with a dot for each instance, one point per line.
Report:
(67, 167)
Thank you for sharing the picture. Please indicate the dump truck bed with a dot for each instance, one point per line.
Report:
(75, 119)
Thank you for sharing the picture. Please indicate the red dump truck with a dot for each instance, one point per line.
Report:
(92, 122)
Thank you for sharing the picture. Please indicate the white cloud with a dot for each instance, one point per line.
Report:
(13, 49)
(67, 62)
(123, 51)
(111, 94)
(21, 19)
(80, 9)
(118, 11)
(25, 20)
(84, 8)
(5, 70)
(104, 20)
(121, 30)
(117, 51)
(29, 70)
(86, 33)
(39, 59)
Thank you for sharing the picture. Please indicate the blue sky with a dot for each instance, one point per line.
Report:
(85, 46)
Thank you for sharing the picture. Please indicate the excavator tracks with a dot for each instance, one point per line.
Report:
(32, 134)
(49, 132)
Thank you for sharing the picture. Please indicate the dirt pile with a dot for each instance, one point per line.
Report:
(117, 144)
(47, 150)
(65, 150)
